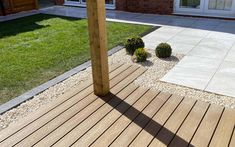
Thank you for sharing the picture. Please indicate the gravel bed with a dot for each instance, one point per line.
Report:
(157, 68)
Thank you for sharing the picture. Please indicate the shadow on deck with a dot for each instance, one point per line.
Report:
(129, 116)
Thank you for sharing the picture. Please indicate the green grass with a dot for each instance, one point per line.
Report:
(38, 48)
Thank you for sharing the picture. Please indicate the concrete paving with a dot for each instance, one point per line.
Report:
(208, 46)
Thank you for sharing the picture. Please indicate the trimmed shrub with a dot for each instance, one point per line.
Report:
(140, 55)
(163, 50)
(133, 43)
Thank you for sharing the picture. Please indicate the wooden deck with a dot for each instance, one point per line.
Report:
(128, 116)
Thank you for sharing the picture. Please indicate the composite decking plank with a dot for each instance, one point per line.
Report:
(232, 140)
(21, 134)
(208, 125)
(18, 136)
(190, 125)
(168, 131)
(129, 77)
(39, 134)
(14, 127)
(52, 125)
(125, 117)
(73, 120)
(113, 116)
(119, 125)
(126, 137)
(224, 130)
(79, 130)
(153, 127)
(100, 127)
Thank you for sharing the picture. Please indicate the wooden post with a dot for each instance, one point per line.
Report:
(98, 45)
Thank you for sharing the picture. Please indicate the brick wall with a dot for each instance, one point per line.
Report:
(146, 6)
(59, 2)
(121, 5)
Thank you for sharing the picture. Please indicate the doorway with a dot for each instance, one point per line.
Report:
(204, 7)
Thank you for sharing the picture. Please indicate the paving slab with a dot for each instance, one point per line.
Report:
(209, 52)
(185, 39)
(223, 80)
(231, 55)
(194, 72)
(181, 48)
(151, 44)
(189, 77)
(217, 43)
(170, 29)
(159, 36)
(194, 32)
(222, 35)
(200, 63)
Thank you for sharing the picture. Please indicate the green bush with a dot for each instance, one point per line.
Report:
(163, 50)
(141, 55)
(133, 43)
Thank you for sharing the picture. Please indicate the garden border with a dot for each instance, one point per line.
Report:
(41, 88)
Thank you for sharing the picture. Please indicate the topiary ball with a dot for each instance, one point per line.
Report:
(133, 43)
(163, 50)
(140, 55)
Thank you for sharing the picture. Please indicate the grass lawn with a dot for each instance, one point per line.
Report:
(38, 48)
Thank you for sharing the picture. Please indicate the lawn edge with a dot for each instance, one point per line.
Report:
(41, 88)
(13, 103)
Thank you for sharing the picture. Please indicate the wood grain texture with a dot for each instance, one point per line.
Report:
(98, 45)
(207, 127)
(129, 116)
(155, 125)
(80, 90)
(168, 131)
(190, 125)
(224, 129)
(141, 121)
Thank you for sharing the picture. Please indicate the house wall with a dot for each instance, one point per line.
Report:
(146, 6)
(141, 6)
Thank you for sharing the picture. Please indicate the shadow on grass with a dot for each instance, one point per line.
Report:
(26, 24)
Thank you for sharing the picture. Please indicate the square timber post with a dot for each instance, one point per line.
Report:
(98, 46)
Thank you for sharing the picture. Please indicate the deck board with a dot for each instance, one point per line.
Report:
(129, 116)
(83, 141)
(126, 137)
(224, 129)
(190, 125)
(206, 129)
(18, 136)
(38, 114)
(155, 125)
(164, 137)
(113, 116)
(232, 140)
(86, 140)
